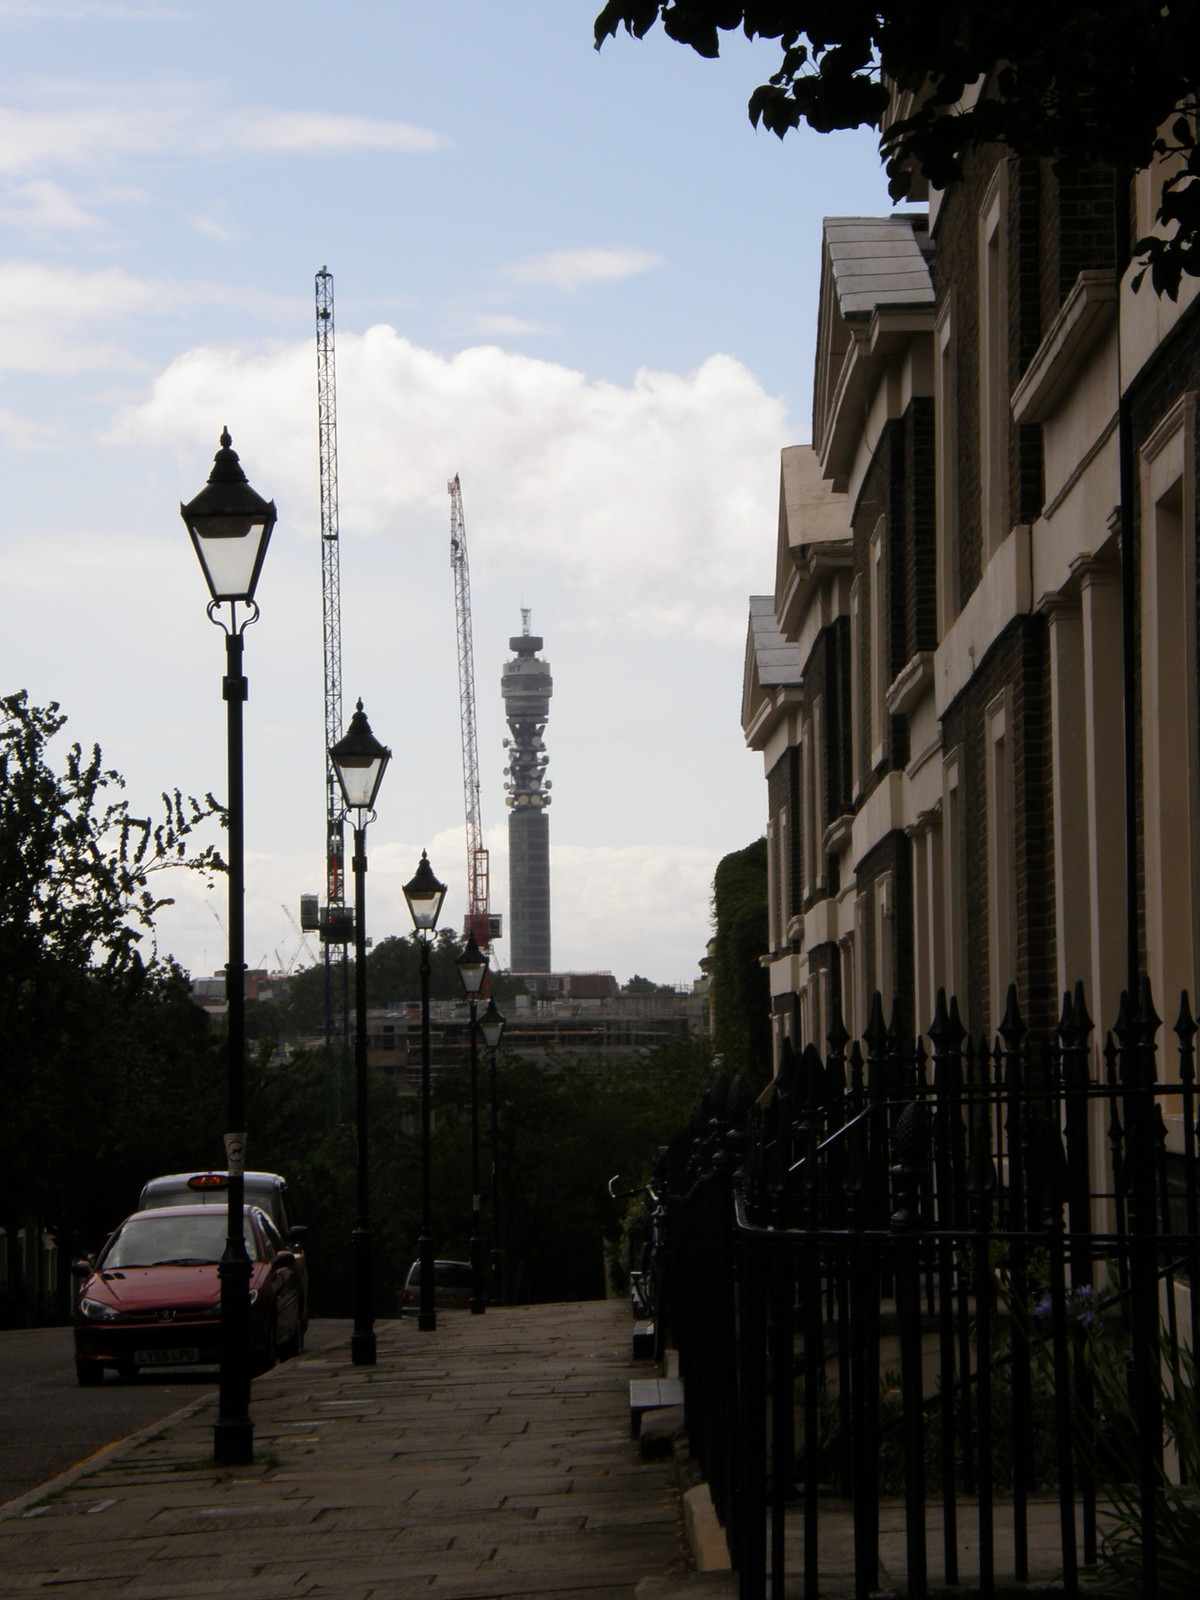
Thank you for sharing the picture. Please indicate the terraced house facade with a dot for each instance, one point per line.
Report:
(936, 682)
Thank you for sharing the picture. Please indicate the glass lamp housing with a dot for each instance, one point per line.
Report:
(472, 966)
(360, 762)
(491, 1025)
(424, 895)
(230, 527)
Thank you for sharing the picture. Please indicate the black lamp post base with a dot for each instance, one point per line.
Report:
(427, 1313)
(497, 1274)
(362, 1349)
(478, 1297)
(233, 1442)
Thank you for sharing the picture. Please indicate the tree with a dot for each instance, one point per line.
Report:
(105, 1061)
(562, 1135)
(639, 985)
(1114, 83)
(741, 998)
(76, 866)
(393, 974)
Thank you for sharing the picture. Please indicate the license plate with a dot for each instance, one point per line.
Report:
(183, 1356)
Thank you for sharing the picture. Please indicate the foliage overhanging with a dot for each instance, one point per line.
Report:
(1114, 83)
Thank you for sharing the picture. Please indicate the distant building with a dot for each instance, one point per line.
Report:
(580, 1014)
(209, 993)
(526, 685)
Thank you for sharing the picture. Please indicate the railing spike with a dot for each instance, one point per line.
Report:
(875, 1033)
(1149, 1021)
(1083, 1022)
(1185, 1027)
(1012, 1029)
(938, 1028)
(957, 1031)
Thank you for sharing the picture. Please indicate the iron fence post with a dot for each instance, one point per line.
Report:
(909, 1150)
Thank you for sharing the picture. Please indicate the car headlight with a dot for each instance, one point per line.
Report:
(99, 1311)
(253, 1296)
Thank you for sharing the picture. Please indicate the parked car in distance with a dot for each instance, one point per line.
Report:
(451, 1287)
(267, 1190)
(152, 1299)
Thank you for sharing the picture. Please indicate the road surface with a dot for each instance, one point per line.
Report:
(48, 1423)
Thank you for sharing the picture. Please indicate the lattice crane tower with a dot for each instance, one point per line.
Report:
(478, 919)
(335, 918)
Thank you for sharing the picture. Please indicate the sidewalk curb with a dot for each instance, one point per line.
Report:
(63, 1480)
(52, 1486)
(705, 1535)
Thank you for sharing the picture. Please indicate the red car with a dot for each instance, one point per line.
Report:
(153, 1299)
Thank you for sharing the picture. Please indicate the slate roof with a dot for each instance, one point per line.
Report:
(878, 261)
(775, 660)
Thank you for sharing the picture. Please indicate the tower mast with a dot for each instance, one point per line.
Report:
(526, 685)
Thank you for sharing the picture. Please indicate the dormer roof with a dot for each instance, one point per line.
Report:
(876, 291)
(814, 529)
(771, 674)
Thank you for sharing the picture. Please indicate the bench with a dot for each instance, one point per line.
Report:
(651, 1394)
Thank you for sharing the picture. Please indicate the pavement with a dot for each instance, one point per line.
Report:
(488, 1460)
(491, 1459)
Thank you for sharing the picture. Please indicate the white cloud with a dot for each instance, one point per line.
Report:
(56, 319)
(44, 207)
(498, 325)
(638, 498)
(624, 909)
(73, 124)
(21, 433)
(211, 228)
(658, 897)
(323, 133)
(571, 269)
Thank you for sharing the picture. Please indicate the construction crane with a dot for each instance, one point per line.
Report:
(302, 946)
(478, 919)
(336, 918)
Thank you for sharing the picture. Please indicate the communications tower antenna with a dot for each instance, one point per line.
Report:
(478, 919)
(336, 919)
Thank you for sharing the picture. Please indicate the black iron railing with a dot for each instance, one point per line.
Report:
(1018, 1229)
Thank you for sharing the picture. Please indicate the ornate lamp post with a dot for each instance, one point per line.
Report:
(425, 895)
(491, 1025)
(360, 762)
(472, 969)
(230, 527)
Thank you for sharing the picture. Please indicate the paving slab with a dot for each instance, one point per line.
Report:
(488, 1460)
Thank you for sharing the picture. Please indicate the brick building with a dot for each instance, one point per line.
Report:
(935, 684)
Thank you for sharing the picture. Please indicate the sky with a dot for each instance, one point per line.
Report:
(580, 280)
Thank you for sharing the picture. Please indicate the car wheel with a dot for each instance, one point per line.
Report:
(295, 1345)
(88, 1374)
(270, 1355)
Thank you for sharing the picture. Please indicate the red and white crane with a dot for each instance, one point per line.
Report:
(479, 920)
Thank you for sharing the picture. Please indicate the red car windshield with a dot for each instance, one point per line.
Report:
(159, 1239)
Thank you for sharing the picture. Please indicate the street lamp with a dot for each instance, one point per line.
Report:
(491, 1025)
(360, 762)
(425, 895)
(472, 969)
(230, 527)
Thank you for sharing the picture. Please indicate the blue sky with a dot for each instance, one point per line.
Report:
(580, 280)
